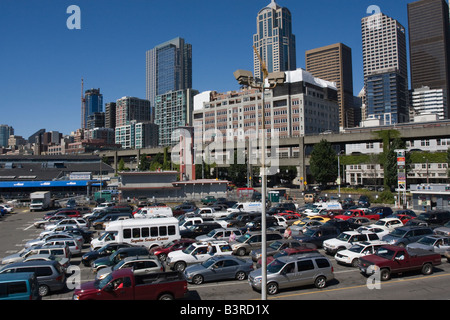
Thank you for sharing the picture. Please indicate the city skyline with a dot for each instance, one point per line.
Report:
(108, 51)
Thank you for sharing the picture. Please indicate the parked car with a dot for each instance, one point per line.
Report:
(253, 240)
(19, 286)
(104, 251)
(199, 229)
(116, 256)
(389, 224)
(63, 262)
(393, 259)
(402, 236)
(358, 213)
(356, 222)
(49, 274)
(381, 232)
(218, 268)
(294, 271)
(74, 245)
(364, 201)
(275, 247)
(162, 251)
(139, 264)
(51, 220)
(383, 212)
(342, 225)
(196, 253)
(435, 218)
(124, 285)
(317, 235)
(300, 226)
(53, 236)
(303, 248)
(207, 200)
(444, 230)
(219, 234)
(351, 256)
(346, 239)
(61, 251)
(435, 243)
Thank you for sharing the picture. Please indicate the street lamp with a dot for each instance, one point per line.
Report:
(246, 78)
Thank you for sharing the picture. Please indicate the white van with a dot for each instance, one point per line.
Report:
(153, 212)
(144, 232)
(246, 207)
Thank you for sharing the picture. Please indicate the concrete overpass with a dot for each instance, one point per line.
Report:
(408, 131)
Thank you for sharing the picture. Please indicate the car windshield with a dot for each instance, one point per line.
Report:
(344, 237)
(427, 241)
(309, 232)
(169, 244)
(118, 265)
(100, 284)
(424, 217)
(385, 253)
(281, 253)
(398, 232)
(275, 266)
(211, 233)
(275, 245)
(208, 263)
(189, 249)
(447, 225)
(357, 248)
(243, 238)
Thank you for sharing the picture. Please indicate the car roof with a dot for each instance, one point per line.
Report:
(37, 263)
(307, 255)
(140, 257)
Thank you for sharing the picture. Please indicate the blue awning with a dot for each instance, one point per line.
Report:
(50, 184)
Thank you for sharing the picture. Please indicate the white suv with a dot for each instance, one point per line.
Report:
(351, 256)
(346, 239)
(196, 253)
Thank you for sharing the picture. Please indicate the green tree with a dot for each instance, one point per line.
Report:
(237, 172)
(324, 162)
(121, 166)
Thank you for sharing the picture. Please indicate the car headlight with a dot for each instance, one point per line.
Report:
(75, 297)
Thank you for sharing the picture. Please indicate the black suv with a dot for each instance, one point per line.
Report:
(199, 229)
(317, 235)
(435, 218)
(242, 219)
(115, 257)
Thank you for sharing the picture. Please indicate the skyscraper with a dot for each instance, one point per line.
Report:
(169, 68)
(5, 132)
(385, 69)
(93, 103)
(429, 45)
(274, 40)
(334, 63)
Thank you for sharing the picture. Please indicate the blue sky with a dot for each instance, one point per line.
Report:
(42, 61)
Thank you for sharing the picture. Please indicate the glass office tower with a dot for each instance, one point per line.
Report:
(168, 68)
(274, 40)
(93, 103)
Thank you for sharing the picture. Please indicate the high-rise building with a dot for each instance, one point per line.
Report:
(173, 110)
(429, 45)
(131, 108)
(5, 132)
(93, 103)
(274, 40)
(169, 68)
(429, 101)
(110, 115)
(334, 63)
(385, 69)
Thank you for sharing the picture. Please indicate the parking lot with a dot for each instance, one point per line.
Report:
(17, 228)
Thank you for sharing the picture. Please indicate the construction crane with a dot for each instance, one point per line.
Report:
(83, 106)
(263, 64)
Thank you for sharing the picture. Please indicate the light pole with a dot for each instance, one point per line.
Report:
(277, 78)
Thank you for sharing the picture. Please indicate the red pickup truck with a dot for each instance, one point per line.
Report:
(357, 213)
(393, 259)
(122, 284)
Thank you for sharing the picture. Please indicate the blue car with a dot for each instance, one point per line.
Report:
(219, 268)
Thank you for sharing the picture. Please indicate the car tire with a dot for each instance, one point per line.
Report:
(272, 288)
(43, 290)
(166, 296)
(198, 279)
(180, 266)
(355, 263)
(240, 276)
(241, 252)
(320, 282)
(385, 274)
(427, 269)
(162, 257)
